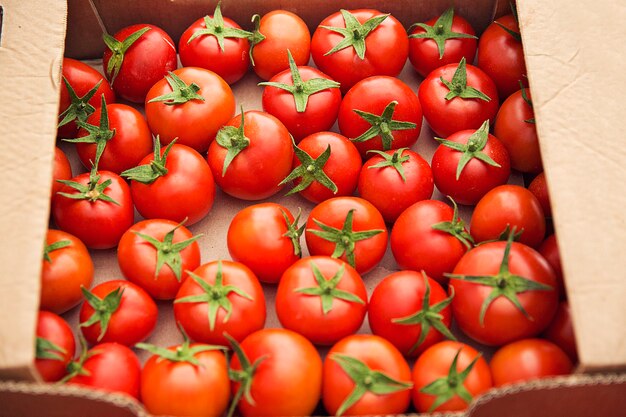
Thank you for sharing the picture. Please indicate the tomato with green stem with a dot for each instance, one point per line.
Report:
(55, 346)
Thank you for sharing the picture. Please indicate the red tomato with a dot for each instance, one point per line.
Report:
(55, 346)
(66, 267)
(371, 366)
(325, 165)
(220, 297)
(190, 104)
(276, 33)
(458, 97)
(394, 180)
(349, 50)
(429, 236)
(441, 41)
(539, 188)
(561, 331)
(117, 311)
(137, 57)
(322, 298)
(348, 228)
(470, 163)
(61, 170)
(550, 250)
(380, 113)
(218, 44)
(528, 359)
(282, 375)
(266, 238)
(461, 374)
(411, 311)
(505, 208)
(156, 255)
(501, 56)
(251, 155)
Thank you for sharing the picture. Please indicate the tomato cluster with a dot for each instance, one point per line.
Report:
(363, 187)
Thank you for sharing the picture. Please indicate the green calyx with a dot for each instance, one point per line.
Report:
(118, 49)
(327, 289)
(234, 140)
(455, 227)
(458, 85)
(527, 101)
(256, 37)
(76, 367)
(92, 192)
(428, 317)
(365, 380)
(382, 125)
(354, 33)
(472, 149)
(215, 27)
(448, 386)
(345, 239)
(310, 170)
(45, 349)
(216, 296)
(294, 231)
(517, 36)
(149, 173)
(60, 244)
(301, 90)
(103, 308)
(181, 91)
(182, 353)
(440, 31)
(79, 108)
(504, 284)
(395, 160)
(243, 376)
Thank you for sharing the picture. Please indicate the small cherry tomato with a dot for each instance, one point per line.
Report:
(539, 188)
(55, 346)
(61, 170)
(561, 331)
(550, 250)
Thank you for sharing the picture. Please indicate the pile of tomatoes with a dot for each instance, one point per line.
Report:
(499, 280)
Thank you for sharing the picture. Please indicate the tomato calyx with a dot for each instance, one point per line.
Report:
(354, 33)
(103, 308)
(216, 295)
(76, 367)
(301, 90)
(118, 50)
(455, 227)
(327, 289)
(46, 349)
(428, 316)
(181, 91)
(215, 27)
(149, 173)
(440, 31)
(92, 192)
(504, 284)
(79, 108)
(234, 140)
(256, 37)
(59, 244)
(310, 169)
(345, 239)
(527, 101)
(396, 160)
(458, 85)
(365, 380)
(516, 35)
(183, 352)
(382, 125)
(294, 231)
(448, 386)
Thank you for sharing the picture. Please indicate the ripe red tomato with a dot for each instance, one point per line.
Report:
(365, 375)
(117, 311)
(447, 377)
(458, 97)
(263, 364)
(156, 255)
(66, 267)
(539, 188)
(137, 57)
(561, 331)
(528, 359)
(441, 41)
(505, 208)
(411, 311)
(190, 104)
(266, 238)
(470, 163)
(322, 298)
(550, 250)
(353, 45)
(220, 297)
(61, 170)
(55, 346)
(380, 113)
(348, 228)
(251, 155)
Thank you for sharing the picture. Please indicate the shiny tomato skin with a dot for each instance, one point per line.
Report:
(477, 177)
(379, 355)
(147, 61)
(508, 205)
(539, 187)
(388, 192)
(137, 257)
(321, 109)
(256, 238)
(187, 191)
(561, 331)
(528, 359)
(56, 330)
(288, 357)
(435, 363)
(303, 313)
(61, 170)
(372, 95)
(196, 122)
(550, 250)
(61, 279)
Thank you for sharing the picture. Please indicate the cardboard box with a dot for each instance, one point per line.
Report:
(577, 79)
